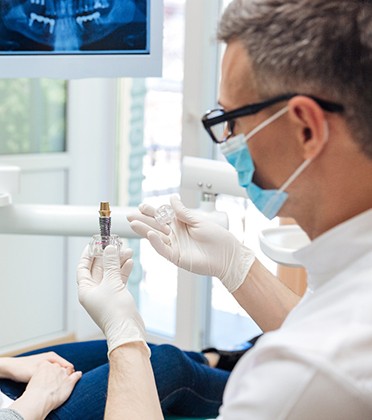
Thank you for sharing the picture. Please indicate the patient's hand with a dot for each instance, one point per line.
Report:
(21, 369)
(49, 387)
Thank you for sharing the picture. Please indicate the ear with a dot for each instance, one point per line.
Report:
(310, 125)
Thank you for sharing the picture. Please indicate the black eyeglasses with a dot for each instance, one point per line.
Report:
(220, 124)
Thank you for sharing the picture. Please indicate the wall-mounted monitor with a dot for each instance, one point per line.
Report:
(70, 39)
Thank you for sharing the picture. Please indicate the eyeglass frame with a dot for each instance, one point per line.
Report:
(255, 108)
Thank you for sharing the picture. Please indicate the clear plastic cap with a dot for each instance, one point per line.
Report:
(98, 243)
(164, 214)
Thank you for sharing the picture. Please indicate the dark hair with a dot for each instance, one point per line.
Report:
(319, 47)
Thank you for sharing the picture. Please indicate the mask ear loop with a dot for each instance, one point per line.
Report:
(286, 184)
(239, 140)
(295, 174)
(265, 123)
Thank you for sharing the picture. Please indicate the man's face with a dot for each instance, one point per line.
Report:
(270, 148)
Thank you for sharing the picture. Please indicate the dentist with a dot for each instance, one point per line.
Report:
(296, 101)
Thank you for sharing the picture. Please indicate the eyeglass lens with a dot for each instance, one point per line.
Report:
(223, 130)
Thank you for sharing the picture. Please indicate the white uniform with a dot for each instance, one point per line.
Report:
(5, 401)
(318, 365)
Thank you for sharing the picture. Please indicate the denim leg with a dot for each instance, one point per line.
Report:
(88, 398)
(84, 355)
(186, 385)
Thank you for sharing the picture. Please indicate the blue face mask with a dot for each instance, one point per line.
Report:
(236, 151)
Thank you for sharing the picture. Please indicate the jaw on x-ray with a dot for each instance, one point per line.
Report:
(73, 25)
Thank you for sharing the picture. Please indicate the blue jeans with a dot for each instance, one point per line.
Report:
(186, 385)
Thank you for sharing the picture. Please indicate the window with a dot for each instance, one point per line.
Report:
(227, 323)
(149, 166)
(32, 116)
(32, 127)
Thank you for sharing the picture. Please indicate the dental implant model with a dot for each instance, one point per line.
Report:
(164, 214)
(99, 242)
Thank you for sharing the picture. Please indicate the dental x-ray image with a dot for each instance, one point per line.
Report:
(74, 26)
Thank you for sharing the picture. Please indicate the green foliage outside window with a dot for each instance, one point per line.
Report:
(32, 116)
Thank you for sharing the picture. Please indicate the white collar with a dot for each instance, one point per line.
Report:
(338, 247)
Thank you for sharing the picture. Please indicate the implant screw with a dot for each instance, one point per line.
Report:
(104, 221)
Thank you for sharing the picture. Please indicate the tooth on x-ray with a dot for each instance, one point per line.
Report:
(46, 21)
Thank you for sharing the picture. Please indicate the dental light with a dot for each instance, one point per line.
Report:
(211, 178)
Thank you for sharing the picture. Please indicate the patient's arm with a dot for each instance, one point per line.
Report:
(265, 298)
(21, 369)
(131, 390)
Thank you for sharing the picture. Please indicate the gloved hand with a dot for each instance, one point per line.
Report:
(196, 244)
(103, 292)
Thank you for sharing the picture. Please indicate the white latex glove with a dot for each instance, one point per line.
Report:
(196, 244)
(104, 294)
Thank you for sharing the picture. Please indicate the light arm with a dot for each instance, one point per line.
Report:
(132, 391)
(4, 367)
(265, 298)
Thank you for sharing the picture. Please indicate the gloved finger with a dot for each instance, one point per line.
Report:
(136, 215)
(125, 270)
(147, 209)
(85, 262)
(125, 254)
(147, 221)
(111, 258)
(142, 228)
(160, 246)
(97, 266)
(111, 263)
(97, 270)
(183, 213)
(84, 267)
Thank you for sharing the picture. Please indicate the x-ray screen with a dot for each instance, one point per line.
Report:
(80, 38)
